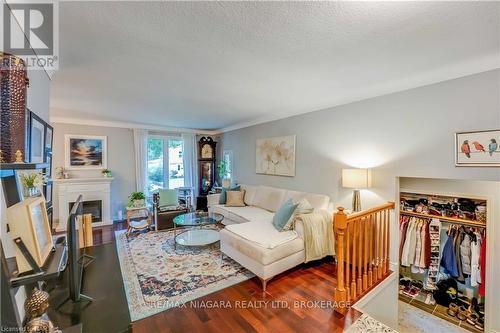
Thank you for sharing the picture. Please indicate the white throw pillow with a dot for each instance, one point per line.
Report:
(269, 198)
(304, 207)
(249, 194)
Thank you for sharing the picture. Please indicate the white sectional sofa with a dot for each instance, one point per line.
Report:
(250, 238)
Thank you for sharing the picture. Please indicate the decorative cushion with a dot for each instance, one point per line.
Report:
(284, 214)
(269, 198)
(139, 224)
(235, 198)
(222, 198)
(250, 191)
(318, 201)
(304, 207)
(168, 197)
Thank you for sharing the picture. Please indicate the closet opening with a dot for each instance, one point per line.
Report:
(442, 253)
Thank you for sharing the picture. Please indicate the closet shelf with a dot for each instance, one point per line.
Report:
(445, 218)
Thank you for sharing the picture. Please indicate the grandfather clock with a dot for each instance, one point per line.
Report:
(206, 164)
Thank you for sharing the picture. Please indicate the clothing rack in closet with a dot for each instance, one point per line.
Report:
(424, 276)
(445, 219)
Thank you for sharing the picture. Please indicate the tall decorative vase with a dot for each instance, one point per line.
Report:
(13, 84)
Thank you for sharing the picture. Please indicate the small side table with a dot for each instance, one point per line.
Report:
(134, 213)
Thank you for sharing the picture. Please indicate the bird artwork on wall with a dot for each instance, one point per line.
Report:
(466, 148)
(492, 147)
(478, 148)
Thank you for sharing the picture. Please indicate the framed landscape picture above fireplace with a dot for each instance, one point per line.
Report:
(85, 152)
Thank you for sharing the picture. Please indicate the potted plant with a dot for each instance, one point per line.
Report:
(32, 182)
(137, 199)
(222, 170)
(106, 173)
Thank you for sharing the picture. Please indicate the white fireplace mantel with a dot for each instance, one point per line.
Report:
(68, 190)
(84, 180)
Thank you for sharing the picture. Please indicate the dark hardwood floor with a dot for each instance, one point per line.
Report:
(296, 301)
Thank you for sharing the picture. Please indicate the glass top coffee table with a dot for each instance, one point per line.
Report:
(197, 235)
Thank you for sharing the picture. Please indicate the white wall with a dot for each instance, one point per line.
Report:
(121, 160)
(409, 133)
(375, 302)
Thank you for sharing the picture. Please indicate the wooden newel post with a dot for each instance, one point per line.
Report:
(340, 225)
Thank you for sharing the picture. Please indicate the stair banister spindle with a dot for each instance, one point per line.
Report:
(340, 224)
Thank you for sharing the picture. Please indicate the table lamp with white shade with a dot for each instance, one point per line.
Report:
(356, 179)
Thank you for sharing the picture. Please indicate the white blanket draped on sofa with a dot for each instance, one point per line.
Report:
(318, 234)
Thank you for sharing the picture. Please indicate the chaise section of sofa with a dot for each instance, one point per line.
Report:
(257, 245)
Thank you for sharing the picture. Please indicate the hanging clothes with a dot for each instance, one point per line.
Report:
(475, 248)
(457, 241)
(415, 268)
(402, 233)
(413, 243)
(449, 260)
(423, 238)
(465, 254)
(406, 247)
(482, 266)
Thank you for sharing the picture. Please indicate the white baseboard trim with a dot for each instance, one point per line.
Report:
(375, 291)
(394, 266)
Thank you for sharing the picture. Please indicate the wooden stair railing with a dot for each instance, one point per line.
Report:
(362, 250)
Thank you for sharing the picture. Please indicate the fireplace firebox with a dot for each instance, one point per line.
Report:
(93, 207)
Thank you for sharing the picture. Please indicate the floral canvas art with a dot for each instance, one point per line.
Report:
(276, 156)
(479, 148)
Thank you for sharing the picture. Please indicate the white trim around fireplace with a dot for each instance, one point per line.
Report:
(68, 190)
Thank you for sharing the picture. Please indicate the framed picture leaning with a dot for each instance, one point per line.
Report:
(36, 138)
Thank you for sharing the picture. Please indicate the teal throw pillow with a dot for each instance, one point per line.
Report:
(223, 196)
(168, 197)
(283, 214)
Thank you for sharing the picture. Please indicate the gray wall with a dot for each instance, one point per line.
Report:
(408, 133)
(121, 159)
(405, 134)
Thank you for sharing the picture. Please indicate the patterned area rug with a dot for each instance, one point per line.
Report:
(366, 324)
(157, 278)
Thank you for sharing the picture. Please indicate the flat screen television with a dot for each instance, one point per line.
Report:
(75, 266)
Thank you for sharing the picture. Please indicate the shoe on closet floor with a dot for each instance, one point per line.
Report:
(453, 310)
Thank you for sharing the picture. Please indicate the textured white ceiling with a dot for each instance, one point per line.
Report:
(213, 65)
